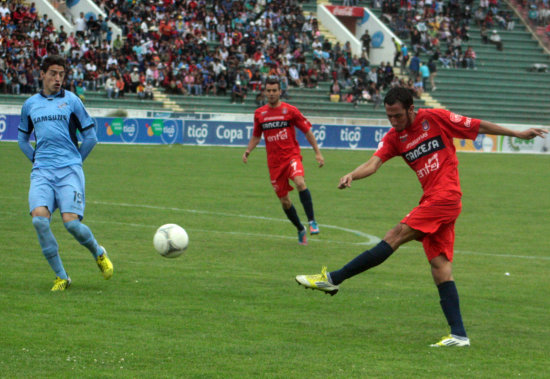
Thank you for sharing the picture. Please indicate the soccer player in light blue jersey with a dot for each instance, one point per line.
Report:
(57, 180)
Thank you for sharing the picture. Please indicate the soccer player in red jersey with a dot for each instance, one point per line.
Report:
(277, 121)
(424, 139)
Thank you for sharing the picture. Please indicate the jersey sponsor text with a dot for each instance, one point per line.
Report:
(425, 148)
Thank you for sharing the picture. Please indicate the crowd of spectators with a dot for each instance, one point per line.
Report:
(440, 31)
(230, 47)
(186, 47)
(189, 47)
(537, 14)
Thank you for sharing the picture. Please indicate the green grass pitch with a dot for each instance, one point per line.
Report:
(230, 308)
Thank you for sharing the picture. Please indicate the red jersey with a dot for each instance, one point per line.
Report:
(427, 147)
(277, 125)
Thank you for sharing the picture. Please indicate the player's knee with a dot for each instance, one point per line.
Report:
(41, 224)
(300, 183)
(400, 234)
(393, 235)
(441, 269)
(285, 202)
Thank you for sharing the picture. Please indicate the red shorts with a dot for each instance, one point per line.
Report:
(280, 175)
(437, 220)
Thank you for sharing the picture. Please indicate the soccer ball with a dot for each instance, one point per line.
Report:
(170, 240)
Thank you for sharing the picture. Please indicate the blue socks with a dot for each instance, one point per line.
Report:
(305, 198)
(362, 262)
(451, 307)
(49, 245)
(84, 236)
(293, 217)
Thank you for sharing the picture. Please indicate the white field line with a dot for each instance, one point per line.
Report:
(370, 239)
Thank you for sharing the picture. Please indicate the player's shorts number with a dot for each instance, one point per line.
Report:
(77, 197)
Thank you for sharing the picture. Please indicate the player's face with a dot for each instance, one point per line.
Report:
(52, 79)
(399, 117)
(273, 94)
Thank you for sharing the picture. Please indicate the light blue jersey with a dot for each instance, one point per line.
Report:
(55, 120)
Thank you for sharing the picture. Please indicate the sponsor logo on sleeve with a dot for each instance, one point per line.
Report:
(455, 118)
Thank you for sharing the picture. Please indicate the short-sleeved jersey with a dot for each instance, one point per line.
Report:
(278, 127)
(427, 147)
(55, 120)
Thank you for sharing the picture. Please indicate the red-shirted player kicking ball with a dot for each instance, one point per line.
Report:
(424, 139)
(276, 120)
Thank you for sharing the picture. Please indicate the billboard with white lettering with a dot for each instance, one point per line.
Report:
(236, 133)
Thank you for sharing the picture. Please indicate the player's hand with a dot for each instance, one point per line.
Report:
(245, 156)
(532, 133)
(345, 181)
(319, 158)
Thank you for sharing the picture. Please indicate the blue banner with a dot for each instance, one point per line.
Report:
(9, 125)
(202, 132)
(139, 130)
(239, 133)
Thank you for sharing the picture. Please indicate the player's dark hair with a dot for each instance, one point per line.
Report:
(273, 80)
(51, 60)
(399, 94)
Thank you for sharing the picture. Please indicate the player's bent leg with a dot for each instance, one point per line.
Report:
(49, 245)
(400, 234)
(84, 236)
(364, 261)
(378, 254)
(319, 282)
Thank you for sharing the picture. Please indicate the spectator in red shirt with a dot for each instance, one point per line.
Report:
(470, 58)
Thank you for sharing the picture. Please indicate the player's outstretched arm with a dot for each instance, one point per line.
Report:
(254, 141)
(486, 127)
(313, 142)
(366, 169)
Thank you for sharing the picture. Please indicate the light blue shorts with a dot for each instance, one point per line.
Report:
(61, 188)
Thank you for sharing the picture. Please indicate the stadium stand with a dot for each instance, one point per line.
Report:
(187, 50)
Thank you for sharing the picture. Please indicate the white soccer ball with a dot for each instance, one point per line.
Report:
(170, 240)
